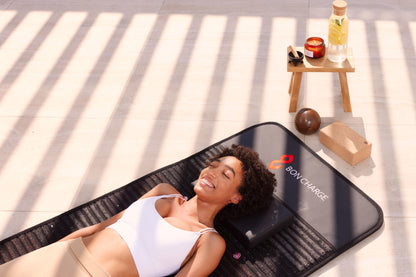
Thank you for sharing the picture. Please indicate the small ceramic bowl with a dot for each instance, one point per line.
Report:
(294, 60)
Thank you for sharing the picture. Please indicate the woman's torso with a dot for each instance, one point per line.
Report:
(114, 254)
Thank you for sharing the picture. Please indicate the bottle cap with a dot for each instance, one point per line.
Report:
(339, 7)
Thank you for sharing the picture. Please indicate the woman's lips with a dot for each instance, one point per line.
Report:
(207, 183)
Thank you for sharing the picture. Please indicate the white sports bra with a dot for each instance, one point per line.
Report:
(158, 248)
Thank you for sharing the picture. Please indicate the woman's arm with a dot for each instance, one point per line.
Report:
(208, 255)
(160, 189)
(87, 231)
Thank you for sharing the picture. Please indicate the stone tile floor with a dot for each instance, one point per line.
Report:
(95, 94)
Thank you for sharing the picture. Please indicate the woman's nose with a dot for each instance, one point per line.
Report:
(213, 173)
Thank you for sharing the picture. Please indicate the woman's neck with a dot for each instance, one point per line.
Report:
(203, 211)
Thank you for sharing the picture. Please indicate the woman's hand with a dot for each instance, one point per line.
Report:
(90, 230)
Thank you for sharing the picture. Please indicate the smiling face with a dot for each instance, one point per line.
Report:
(219, 182)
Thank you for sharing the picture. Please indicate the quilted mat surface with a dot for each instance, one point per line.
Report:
(331, 213)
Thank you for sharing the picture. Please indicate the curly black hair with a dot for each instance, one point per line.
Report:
(256, 187)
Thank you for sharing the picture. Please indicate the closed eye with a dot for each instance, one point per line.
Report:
(228, 174)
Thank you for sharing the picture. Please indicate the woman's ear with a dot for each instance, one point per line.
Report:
(236, 198)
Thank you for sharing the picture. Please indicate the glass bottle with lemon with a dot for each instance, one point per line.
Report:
(338, 32)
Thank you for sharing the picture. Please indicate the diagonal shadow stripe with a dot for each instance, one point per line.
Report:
(399, 243)
(216, 88)
(121, 110)
(57, 146)
(40, 97)
(410, 56)
(26, 56)
(11, 26)
(159, 130)
(257, 86)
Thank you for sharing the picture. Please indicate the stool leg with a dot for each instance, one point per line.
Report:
(345, 92)
(291, 83)
(294, 91)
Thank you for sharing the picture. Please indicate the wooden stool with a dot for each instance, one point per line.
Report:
(320, 65)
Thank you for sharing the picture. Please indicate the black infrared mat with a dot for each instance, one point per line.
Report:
(330, 213)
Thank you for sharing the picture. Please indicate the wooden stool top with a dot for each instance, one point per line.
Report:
(322, 64)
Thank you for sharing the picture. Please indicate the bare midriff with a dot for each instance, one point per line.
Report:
(112, 253)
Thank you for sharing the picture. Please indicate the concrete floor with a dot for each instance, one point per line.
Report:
(94, 94)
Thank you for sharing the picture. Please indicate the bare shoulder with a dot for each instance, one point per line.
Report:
(161, 189)
(167, 188)
(208, 254)
(213, 242)
(210, 249)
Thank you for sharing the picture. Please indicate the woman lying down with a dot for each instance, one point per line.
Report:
(162, 233)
